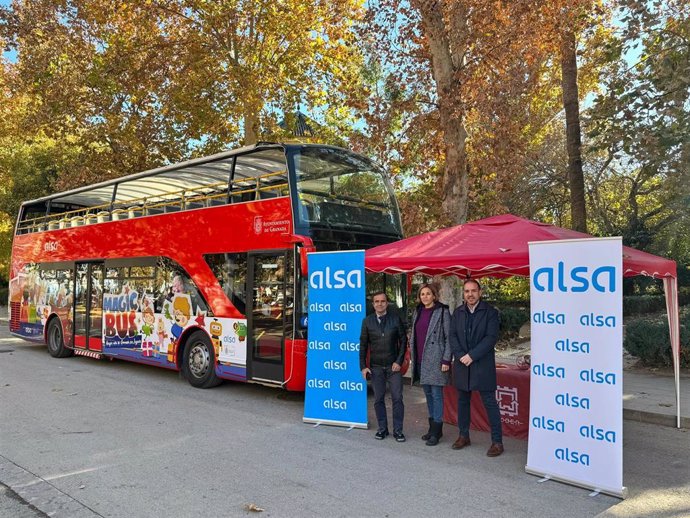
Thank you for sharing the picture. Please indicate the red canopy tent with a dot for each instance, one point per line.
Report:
(497, 247)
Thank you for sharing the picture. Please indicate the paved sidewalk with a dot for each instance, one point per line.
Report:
(650, 397)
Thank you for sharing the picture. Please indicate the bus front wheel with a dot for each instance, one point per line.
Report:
(55, 341)
(199, 361)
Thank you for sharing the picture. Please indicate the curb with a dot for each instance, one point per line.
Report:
(41, 494)
(654, 418)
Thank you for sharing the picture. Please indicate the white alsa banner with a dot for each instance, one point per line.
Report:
(576, 383)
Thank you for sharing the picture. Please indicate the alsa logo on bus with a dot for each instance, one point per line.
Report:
(336, 280)
(578, 280)
(50, 246)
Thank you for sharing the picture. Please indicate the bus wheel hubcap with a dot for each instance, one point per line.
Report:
(54, 339)
(199, 360)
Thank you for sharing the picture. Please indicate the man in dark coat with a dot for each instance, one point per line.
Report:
(473, 336)
(383, 336)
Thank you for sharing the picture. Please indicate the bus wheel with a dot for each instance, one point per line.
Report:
(199, 361)
(56, 345)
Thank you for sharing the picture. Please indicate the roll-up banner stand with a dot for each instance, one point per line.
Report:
(576, 381)
(336, 393)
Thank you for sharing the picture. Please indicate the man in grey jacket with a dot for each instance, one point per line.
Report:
(383, 337)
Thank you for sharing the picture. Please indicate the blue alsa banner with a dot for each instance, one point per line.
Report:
(336, 393)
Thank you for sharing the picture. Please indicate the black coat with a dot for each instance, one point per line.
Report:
(386, 344)
(481, 374)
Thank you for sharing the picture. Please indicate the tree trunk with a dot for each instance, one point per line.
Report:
(251, 127)
(576, 181)
(455, 181)
(444, 67)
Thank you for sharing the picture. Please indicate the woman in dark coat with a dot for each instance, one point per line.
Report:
(430, 353)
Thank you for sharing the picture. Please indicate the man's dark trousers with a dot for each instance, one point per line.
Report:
(379, 377)
(492, 412)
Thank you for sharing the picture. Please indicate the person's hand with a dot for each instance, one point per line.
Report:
(445, 368)
(365, 372)
(395, 367)
(466, 360)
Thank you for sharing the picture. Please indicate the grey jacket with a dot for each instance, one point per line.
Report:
(436, 347)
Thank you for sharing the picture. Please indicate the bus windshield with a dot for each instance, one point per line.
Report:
(337, 188)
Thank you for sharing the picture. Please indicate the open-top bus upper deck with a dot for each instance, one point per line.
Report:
(330, 189)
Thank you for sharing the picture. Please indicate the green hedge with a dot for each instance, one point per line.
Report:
(512, 319)
(648, 339)
(641, 304)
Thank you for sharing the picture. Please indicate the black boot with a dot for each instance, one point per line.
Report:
(426, 436)
(436, 433)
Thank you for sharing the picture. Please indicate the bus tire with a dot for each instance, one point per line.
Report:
(55, 340)
(199, 361)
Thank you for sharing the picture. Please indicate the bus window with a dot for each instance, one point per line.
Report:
(260, 175)
(231, 271)
(171, 279)
(337, 188)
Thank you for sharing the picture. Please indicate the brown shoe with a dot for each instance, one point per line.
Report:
(461, 442)
(495, 450)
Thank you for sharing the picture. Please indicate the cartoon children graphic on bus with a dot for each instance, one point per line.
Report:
(182, 311)
(147, 330)
(162, 335)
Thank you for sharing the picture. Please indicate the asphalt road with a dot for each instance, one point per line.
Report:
(85, 438)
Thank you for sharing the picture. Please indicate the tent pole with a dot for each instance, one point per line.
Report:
(671, 292)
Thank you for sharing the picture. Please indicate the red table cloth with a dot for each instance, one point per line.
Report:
(512, 393)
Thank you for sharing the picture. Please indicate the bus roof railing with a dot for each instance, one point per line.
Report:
(185, 199)
(158, 170)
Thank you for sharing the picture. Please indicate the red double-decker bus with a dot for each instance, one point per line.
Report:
(198, 266)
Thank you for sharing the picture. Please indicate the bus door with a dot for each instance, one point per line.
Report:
(266, 315)
(88, 305)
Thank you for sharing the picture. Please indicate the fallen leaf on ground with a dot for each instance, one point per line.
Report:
(253, 508)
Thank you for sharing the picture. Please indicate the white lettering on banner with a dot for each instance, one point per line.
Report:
(317, 383)
(336, 280)
(335, 405)
(578, 275)
(333, 365)
(349, 346)
(319, 308)
(350, 308)
(351, 385)
(335, 326)
(317, 345)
